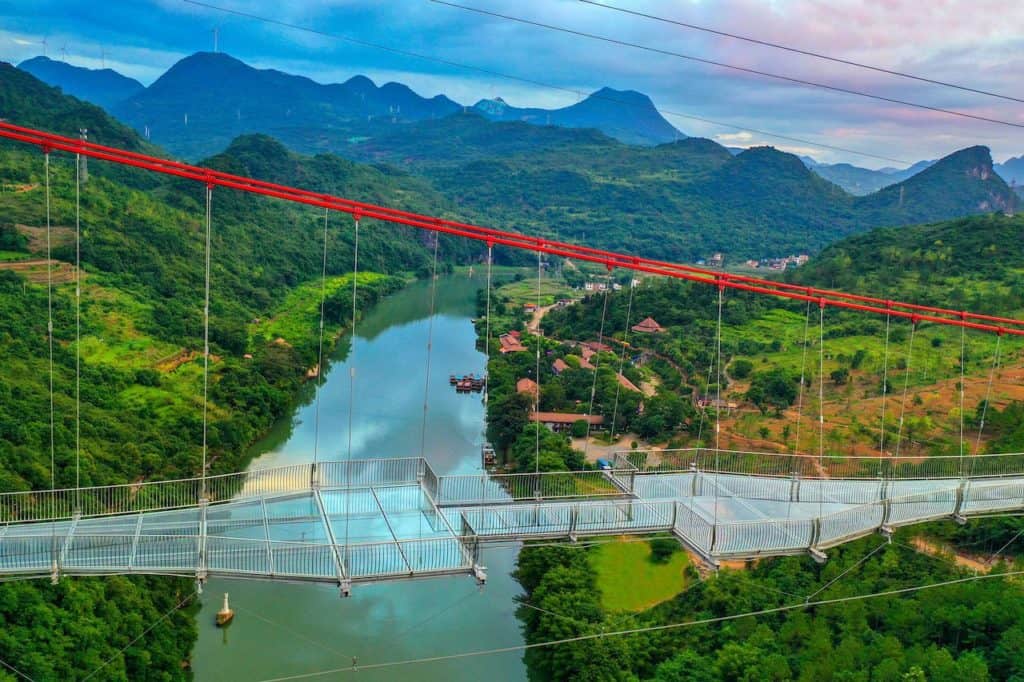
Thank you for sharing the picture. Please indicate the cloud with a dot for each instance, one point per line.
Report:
(977, 43)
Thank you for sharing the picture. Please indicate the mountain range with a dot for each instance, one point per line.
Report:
(103, 87)
(625, 115)
(206, 99)
(680, 200)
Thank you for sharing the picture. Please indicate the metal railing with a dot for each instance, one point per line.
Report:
(457, 490)
(45, 505)
(781, 465)
(565, 519)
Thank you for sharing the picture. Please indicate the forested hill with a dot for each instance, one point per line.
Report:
(680, 201)
(975, 262)
(141, 363)
(27, 101)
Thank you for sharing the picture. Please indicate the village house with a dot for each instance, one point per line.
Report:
(627, 384)
(596, 346)
(704, 401)
(559, 366)
(528, 386)
(648, 326)
(563, 421)
(510, 342)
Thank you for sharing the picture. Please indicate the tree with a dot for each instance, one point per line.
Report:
(840, 376)
(740, 369)
(507, 416)
(775, 388)
(662, 549)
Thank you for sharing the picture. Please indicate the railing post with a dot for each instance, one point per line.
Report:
(886, 508)
(812, 548)
(201, 564)
(961, 489)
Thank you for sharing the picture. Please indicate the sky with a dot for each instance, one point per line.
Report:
(977, 43)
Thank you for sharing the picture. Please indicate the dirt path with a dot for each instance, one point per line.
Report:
(596, 449)
(533, 326)
(964, 560)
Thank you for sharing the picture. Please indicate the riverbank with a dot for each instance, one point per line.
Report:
(282, 629)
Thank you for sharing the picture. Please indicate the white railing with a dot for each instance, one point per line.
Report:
(47, 505)
(458, 490)
(781, 465)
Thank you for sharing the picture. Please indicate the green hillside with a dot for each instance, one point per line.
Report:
(969, 631)
(142, 291)
(680, 201)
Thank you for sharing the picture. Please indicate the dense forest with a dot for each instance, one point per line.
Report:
(970, 631)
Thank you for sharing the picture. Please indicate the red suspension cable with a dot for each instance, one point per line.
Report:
(611, 259)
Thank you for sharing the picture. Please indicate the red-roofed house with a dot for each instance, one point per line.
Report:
(510, 343)
(562, 421)
(525, 385)
(559, 366)
(627, 384)
(648, 326)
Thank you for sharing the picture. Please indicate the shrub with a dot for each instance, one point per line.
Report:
(662, 549)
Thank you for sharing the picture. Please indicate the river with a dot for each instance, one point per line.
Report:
(283, 630)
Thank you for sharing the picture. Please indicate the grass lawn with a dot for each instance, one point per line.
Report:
(629, 581)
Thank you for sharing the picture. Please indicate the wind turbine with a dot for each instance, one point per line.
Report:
(43, 43)
(216, 37)
(64, 52)
(103, 57)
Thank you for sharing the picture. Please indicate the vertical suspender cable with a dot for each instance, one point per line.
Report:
(903, 402)
(536, 397)
(821, 387)
(487, 362)
(803, 374)
(597, 364)
(487, 334)
(206, 340)
(430, 342)
(963, 359)
(49, 339)
(821, 406)
(320, 354)
(622, 356)
(885, 394)
(988, 397)
(78, 330)
(718, 397)
(797, 469)
(49, 323)
(707, 392)
(351, 375)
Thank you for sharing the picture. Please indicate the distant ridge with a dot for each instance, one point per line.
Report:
(626, 115)
(102, 87)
